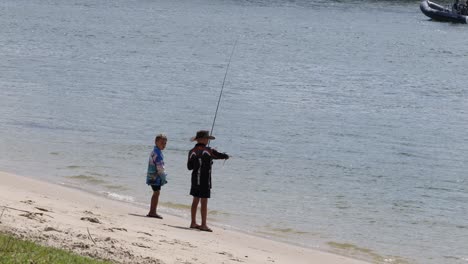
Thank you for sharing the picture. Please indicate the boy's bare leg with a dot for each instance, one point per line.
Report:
(154, 203)
(204, 212)
(193, 212)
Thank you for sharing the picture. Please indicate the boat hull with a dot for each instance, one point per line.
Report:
(440, 13)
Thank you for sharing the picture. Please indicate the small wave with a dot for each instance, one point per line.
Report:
(350, 249)
(73, 167)
(435, 188)
(87, 178)
(270, 234)
(176, 205)
(48, 126)
(455, 258)
(120, 197)
(289, 230)
(116, 187)
(335, 165)
(217, 212)
(407, 154)
(342, 207)
(283, 230)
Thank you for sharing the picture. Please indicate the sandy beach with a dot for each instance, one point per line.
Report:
(102, 228)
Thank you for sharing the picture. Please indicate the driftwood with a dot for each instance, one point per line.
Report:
(91, 236)
(25, 211)
(2, 215)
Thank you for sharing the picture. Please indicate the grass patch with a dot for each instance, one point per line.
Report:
(14, 250)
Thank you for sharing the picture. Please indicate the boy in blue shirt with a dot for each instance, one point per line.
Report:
(156, 176)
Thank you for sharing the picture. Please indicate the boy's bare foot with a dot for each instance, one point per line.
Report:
(154, 216)
(195, 226)
(205, 228)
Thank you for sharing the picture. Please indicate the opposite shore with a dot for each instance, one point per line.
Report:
(102, 228)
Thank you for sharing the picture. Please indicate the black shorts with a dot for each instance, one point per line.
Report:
(200, 193)
(155, 188)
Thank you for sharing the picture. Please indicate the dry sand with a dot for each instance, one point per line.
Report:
(98, 227)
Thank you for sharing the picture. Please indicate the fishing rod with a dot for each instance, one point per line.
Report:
(222, 87)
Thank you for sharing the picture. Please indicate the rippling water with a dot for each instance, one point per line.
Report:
(346, 121)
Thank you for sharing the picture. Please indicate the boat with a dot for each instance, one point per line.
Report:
(457, 13)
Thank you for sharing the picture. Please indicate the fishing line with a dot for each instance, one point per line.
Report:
(222, 87)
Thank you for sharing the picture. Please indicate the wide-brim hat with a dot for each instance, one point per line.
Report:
(202, 134)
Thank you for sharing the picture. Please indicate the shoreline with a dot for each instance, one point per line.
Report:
(103, 228)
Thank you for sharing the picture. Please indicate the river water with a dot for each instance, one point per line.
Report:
(345, 120)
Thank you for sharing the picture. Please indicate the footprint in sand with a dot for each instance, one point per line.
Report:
(80, 245)
(144, 233)
(42, 209)
(33, 216)
(111, 240)
(140, 245)
(178, 242)
(116, 228)
(145, 239)
(91, 219)
(47, 229)
(82, 236)
(230, 256)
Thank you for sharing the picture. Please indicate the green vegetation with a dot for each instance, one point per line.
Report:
(14, 250)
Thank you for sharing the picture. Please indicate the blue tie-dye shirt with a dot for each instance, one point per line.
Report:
(156, 173)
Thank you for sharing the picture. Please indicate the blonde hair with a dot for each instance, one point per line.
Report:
(159, 137)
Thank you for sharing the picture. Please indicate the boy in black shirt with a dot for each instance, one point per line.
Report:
(200, 159)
